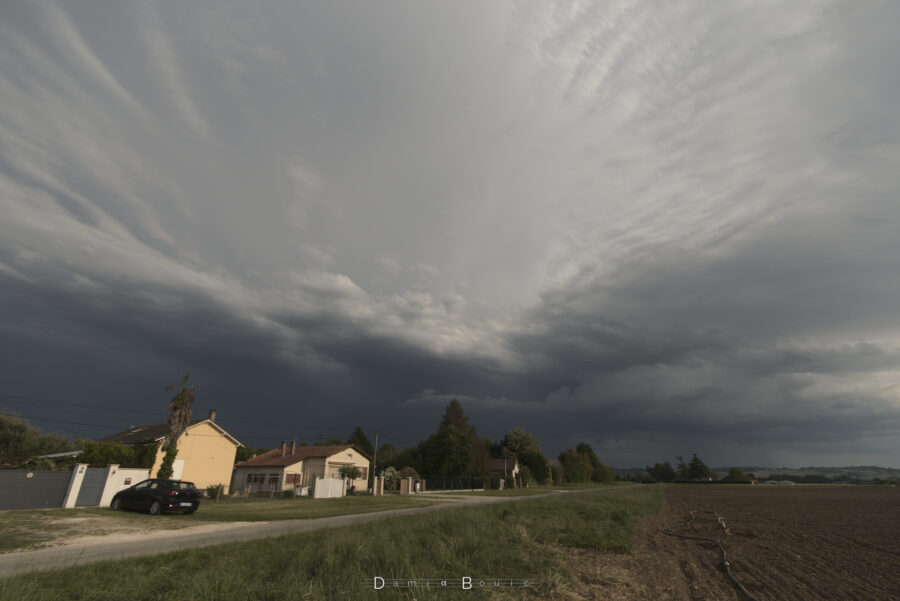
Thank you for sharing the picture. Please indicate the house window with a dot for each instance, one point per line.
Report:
(365, 473)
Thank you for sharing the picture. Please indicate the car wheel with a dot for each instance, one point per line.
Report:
(155, 508)
(116, 504)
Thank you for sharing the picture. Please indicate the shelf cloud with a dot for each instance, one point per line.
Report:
(658, 230)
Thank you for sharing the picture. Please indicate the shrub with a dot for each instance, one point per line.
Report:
(101, 452)
(408, 472)
(391, 479)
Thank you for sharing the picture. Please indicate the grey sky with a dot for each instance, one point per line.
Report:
(660, 229)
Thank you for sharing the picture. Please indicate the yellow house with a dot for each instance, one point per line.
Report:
(205, 450)
(288, 467)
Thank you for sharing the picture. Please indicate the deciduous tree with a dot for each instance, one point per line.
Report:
(19, 440)
(518, 441)
(736, 474)
(662, 472)
(576, 467)
(448, 452)
(599, 472)
(537, 463)
(391, 478)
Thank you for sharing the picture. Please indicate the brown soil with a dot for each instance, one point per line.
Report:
(799, 543)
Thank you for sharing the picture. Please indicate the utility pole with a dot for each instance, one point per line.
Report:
(375, 460)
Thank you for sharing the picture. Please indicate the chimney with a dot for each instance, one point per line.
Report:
(212, 415)
(283, 448)
(293, 446)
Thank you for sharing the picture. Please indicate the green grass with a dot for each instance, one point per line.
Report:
(506, 540)
(534, 490)
(41, 527)
(506, 492)
(303, 508)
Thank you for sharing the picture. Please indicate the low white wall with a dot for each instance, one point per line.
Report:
(329, 488)
(119, 478)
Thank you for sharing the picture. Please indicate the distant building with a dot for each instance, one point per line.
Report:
(505, 466)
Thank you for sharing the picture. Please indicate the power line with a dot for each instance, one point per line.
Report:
(159, 414)
(12, 398)
(310, 432)
(75, 411)
(60, 421)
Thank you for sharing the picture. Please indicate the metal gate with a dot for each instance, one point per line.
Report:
(32, 489)
(91, 487)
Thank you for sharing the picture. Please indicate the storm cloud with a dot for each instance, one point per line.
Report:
(656, 229)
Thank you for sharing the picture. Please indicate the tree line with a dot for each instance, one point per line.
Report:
(453, 450)
(694, 470)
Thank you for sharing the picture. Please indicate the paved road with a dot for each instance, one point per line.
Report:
(162, 541)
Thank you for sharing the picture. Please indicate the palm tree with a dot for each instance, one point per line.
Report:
(179, 419)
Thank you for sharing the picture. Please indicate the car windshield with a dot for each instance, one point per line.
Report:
(185, 485)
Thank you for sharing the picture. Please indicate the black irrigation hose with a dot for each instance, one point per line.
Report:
(725, 562)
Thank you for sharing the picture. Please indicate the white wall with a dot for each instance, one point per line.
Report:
(116, 478)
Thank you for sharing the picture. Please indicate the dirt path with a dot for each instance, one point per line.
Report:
(118, 546)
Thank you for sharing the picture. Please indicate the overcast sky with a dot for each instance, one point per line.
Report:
(659, 228)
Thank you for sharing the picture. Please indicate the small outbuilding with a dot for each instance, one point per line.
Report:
(505, 466)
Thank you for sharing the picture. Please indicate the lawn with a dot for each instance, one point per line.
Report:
(299, 508)
(522, 540)
(506, 492)
(537, 490)
(38, 528)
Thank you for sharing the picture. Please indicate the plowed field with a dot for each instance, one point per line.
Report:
(783, 542)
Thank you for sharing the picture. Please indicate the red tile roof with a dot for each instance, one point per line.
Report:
(274, 458)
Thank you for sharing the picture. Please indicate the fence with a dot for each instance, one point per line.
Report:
(82, 486)
(33, 489)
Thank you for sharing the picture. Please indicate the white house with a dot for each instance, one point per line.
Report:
(291, 466)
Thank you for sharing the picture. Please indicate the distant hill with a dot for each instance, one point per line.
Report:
(861, 473)
(852, 472)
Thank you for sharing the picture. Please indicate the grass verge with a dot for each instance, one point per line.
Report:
(506, 492)
(302, 508)
(42, 527)
(515, 540)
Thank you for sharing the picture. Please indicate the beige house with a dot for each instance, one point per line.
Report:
(291, 466)
(205, 450)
